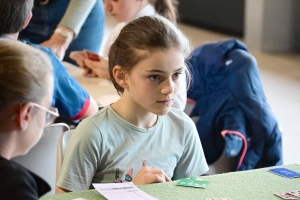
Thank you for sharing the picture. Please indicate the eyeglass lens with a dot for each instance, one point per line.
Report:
(50, 117)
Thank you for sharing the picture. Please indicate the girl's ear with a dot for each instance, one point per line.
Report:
(120, 76)
(24, 115)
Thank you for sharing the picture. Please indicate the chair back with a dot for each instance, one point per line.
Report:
(41, 159)
(61, 149)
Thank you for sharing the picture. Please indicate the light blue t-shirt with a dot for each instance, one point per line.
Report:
(105, 148)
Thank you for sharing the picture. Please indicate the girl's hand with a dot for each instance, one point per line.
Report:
(79, 57)
(149, 175)
(100, 68)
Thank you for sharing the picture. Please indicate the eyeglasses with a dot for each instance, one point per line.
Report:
(51, 113)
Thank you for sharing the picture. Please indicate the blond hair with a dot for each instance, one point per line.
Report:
(23, 73)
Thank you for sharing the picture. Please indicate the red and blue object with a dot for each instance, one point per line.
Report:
(233, 109)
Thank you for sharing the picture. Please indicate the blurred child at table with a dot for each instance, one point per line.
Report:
(124, 11)
(70, 98)
(139, 138)
(25, 99)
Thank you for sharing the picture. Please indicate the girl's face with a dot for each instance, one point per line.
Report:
(123, 10)
(154, 82)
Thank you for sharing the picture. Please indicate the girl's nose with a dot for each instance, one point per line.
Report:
(168, 88)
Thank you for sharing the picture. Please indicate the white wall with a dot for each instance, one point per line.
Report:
(272, 25)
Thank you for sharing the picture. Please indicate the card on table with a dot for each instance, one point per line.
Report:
(193, 182)
(91, 55)
(295, 193)
(79, 199)
(285, 172)
(285, 195)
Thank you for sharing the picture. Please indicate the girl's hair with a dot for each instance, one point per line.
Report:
(24, 72)
(167, 8)
(141, 37)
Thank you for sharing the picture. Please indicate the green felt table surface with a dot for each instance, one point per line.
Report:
(258, 184)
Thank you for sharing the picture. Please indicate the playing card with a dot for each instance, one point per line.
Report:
(79, 199)
(285, 172)
(91, 55)
(218, 199)
(295, 193)
(193, 182)
(285, 195)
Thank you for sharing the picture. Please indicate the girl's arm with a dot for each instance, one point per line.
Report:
(100, 68)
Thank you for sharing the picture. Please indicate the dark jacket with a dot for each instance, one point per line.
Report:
(19, 183)
(230, 100)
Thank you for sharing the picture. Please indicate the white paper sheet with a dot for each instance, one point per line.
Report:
(116, 191)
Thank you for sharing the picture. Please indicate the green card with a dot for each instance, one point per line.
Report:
(193, 182)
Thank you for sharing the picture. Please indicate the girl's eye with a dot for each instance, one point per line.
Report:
(176, 75)
(154, 77)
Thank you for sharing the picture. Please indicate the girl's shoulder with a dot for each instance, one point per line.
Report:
(179, 116)
(178, 122)
(102, 118)
(10, 169)
(102, 113)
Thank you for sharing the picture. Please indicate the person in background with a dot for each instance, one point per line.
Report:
(69, 97)
(66, 25)
(124, 11)
(26, 85)
(139, 138)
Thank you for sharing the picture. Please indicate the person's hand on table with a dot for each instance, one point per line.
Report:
(79, 57)
(58, 44)
(149, 175)
(100, 68)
